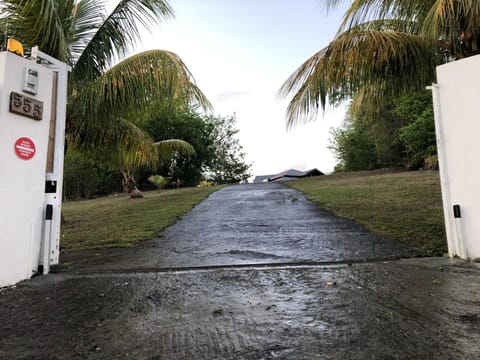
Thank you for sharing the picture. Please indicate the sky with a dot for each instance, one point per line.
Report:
(240, 52)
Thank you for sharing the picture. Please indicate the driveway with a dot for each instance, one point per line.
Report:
(251, 224)
(253, 272)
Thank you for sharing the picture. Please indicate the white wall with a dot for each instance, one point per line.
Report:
(22, 182)
(457, 115)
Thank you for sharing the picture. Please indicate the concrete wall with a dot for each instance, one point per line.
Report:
(457, 117)
(22, 182)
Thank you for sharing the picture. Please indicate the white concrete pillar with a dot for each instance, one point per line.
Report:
(457, 120)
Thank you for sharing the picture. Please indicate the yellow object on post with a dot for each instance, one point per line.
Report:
(15, 46)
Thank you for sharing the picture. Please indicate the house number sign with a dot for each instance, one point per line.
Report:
(26, 106)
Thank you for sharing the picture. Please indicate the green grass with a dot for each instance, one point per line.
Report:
(405, 206)
(117, 221)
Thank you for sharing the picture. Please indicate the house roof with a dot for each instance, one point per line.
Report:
(288, 174)
(261, 178)
(296, 174)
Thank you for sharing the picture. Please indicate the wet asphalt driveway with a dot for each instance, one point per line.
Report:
(253, 272)
(253, 224)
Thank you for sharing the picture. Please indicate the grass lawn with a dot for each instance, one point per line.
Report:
(117, 221)
(406, 206)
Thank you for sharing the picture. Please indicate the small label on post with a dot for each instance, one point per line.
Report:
(30, 81)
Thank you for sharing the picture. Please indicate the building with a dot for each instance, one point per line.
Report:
(291, 174)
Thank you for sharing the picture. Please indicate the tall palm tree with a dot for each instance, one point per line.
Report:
(104, 98)
(383, 48)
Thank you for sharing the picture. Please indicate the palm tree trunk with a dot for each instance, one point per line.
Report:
(130, 185)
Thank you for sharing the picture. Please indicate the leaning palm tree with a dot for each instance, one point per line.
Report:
(161, 153)
(383, 48)
(104, 98)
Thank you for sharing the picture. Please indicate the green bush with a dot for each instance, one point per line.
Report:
(419, 139)
(354, 147)
(84, 180)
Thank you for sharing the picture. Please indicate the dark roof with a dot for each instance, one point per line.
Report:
(295, 174)
(287, 175)
(262, 178)
(291, 172)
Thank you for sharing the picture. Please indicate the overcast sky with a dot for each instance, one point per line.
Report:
(240, 52)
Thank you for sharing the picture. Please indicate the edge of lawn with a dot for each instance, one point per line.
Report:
(402, 205)
(117, 222)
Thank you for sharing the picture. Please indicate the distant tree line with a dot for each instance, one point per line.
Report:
(218, 157)
(399, 133)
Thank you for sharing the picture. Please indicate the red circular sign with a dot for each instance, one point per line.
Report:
(24, 148)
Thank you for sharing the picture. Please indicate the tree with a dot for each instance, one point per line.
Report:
(105, 100)
(218, 153)
(84, 179)
(400, 132)
(384, 48)
(354, 147)
(228, 165)
(165, 150)
(418, 135)
(190, 125)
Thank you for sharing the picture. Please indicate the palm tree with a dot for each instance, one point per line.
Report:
(104, 99)
(383, 48)
(162, 152)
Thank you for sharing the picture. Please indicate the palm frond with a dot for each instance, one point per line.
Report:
(86, 18)
(360, 57)
(309, 89)
(151, 77)
(116, 32)
(97, 111)
(40, 22)
(119, 144)
(166, 149)
(457, 23)
(365, 101)
(361, 11)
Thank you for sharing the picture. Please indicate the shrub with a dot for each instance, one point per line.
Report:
(206, 183)
(159, 181)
